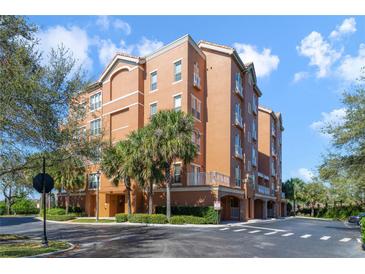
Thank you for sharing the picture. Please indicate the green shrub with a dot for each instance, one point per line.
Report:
(363, 229)
(121, 217)
(186, 219)
(24, 206)
(61, 218)
(208, 212)
(56, 211)
(2, 207)
(147, 218)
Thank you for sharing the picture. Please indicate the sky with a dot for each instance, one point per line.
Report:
(303, 63)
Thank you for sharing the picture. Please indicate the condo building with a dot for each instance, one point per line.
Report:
(239, 143)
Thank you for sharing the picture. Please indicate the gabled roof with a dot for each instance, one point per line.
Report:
(276, 115)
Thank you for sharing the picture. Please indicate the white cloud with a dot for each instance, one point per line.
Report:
(264, 61)
(348, 26)
(350, 67)
(105, 22)
(335, 117)
(73, 38)
(146, 46)
(107, 50)
(122, 25)
(299, 76)
(320, 53)
(305, 174)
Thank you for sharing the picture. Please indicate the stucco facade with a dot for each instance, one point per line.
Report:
(212, 83)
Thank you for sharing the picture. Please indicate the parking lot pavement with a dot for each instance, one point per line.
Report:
(283, 238)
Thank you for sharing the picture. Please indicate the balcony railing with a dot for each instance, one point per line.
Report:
(238, 151)
(239, 90)
(282, 195)
(263, 190)
(196, 81)
(238, 120)
(209, 178)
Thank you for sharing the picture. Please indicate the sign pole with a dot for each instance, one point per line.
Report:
(45, 240)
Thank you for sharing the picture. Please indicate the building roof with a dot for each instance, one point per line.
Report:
(275, 115)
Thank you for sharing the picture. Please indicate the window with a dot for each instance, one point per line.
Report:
(177, 174)
(195, 107)
(249, 108)
(153, 80)
(95, 101)
(237, 146)
(196, 75)
(272, 128)
(196, 140)
(195, 175)
(177, 71)
(254, 132)
(237, 114)
(254, 104)
(177, 102)
(93, 181)
(254, 158)
(95, 127)
(153, 109)
(273, 170)
(237, 175)
(250, 80)
(239, 88)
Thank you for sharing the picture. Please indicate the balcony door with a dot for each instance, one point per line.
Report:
(195, 172)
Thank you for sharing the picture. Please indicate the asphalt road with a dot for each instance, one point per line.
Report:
(293, 237)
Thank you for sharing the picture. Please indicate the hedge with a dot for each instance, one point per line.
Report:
(61, 217)
(56, 211)
(147, 218)
(186, 219)
(207, 212)
(121, 217)
(2, 207)
(363, 229)
(24, 206)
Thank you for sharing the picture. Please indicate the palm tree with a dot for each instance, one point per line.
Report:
(146, 169)
(116, 163)
(69, 176)
(171, 140)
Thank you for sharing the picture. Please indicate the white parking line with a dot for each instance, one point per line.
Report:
(224, 228)
(271, 233)
(239, 230)
(306, 236)
(325, 238)
(344, 240)
(287, 234)
(254, 231)
(259, 227)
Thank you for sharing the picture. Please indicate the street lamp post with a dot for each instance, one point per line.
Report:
(97, 194)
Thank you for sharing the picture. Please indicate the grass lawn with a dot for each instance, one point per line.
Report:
(14, 246)
(93, 221)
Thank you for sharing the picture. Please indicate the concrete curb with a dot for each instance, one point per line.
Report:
(72, 246)
(314, 218)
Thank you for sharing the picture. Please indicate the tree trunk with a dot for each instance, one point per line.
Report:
(67, 201)
(9, 202)
(312, 211)
(168, 191)
(150, 198)
(127, 183)
(294, 204)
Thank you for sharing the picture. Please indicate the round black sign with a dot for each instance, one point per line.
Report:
(38, 183)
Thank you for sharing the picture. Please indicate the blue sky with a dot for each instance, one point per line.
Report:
(303, 63)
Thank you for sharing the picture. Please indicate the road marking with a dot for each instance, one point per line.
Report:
(224, 228)
(344, 240)
(306, 236)
(259, 227)
(238, 230)
(287, 234)
(325, 238)
(254, 231)
(358, 240)
(271, 233)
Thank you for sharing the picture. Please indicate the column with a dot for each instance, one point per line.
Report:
(243, 211)
(264, 209)
(252, 208)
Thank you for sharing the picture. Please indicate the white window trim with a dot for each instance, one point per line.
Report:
(101, 100)
(153, 90)
(176, 95)
(176, 82)
(177, 60)
(154, 102)
(196, 98)
(101, 125)
(174, 74)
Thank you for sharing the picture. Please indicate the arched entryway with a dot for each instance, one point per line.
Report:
(271, 209)
(259, 209)
(230, 208)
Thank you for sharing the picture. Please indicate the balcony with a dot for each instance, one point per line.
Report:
(238, 151)
(263, 190)
(254, 135)
(209, 179)
(273, 152)
(238, 121)
(282, 195)
(196, 81)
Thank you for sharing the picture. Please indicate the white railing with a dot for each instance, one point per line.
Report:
(209, 178)
(239, 90)
(238, 120)
(263, 190)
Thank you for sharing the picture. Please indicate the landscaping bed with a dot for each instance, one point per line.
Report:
(14, 246)
(87, 221)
